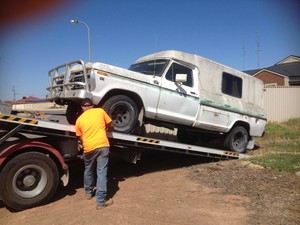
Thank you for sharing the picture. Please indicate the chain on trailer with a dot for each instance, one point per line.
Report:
(20, 124)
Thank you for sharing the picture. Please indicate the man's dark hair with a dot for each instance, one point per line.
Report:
(86, 102)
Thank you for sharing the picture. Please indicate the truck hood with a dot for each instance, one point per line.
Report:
(114, 70)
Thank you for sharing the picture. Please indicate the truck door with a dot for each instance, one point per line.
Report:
(179, 101)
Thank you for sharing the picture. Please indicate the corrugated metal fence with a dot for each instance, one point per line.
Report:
(282, 103)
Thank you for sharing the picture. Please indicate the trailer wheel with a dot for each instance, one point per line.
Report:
(123, 111)
(73, 112)
(237, 139)
(28, 180)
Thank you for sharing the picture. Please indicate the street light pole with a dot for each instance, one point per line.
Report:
(89, 36)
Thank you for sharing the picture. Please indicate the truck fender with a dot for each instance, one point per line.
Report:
(19, 146)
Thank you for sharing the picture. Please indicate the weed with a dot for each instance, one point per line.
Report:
(281, 162)
(281, 147)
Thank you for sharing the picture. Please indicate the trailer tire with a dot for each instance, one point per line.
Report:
(73, 112)
(123, 111)
(237, 139)
(28, 180)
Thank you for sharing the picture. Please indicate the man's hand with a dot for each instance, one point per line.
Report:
(79, 145)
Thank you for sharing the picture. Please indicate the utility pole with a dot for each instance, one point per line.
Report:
(14, 92)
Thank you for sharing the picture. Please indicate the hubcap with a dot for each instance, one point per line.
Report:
(29, 181)
(120, 115)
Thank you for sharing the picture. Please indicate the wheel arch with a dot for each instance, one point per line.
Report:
(243, 124)
(135, 97)
(32, 146)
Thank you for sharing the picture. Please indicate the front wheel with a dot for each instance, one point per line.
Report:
(73, 112)
(123, 111)
(28, 180)
(237, 139)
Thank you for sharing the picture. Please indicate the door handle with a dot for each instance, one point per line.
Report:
(193, 93)
(156, 82)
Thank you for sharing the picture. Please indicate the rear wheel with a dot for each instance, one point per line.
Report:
(237, 139)
(28, 180)
(123, 111)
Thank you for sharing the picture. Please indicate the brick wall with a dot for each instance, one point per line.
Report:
(271, 78)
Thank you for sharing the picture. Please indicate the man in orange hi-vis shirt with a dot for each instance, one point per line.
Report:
(91, 127)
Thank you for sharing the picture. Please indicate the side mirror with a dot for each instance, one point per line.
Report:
(180, 78)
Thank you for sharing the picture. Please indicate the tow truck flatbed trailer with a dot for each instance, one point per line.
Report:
(35, 153)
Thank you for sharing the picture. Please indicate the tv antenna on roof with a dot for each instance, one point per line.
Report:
(257, 52)
(244, 55)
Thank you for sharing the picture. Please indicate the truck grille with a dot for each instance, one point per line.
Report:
(68, 77)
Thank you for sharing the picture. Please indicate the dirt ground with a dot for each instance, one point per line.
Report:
(166, 188)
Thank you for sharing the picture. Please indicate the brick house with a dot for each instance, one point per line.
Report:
(284, 73)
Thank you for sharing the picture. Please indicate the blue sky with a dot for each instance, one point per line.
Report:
(122, 31)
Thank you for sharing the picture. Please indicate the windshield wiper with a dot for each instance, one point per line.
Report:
(147, 72)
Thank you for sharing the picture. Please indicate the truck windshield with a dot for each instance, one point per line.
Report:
(153, 67)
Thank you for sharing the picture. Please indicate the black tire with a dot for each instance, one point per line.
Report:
(123, 111)
(28, 180)
(237, 139)
(73, 112)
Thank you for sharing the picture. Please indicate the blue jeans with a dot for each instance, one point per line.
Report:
(96, 165)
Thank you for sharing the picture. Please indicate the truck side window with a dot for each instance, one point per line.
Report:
(232, 85)
(179, 69)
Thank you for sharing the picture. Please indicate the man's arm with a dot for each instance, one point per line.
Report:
(110, 127)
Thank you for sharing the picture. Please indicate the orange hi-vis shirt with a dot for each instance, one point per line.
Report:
(91, 127)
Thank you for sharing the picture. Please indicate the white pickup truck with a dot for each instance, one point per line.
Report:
(199, 97)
